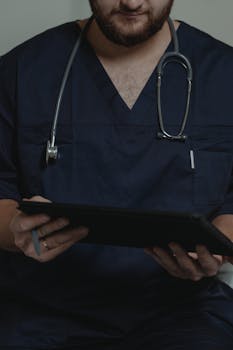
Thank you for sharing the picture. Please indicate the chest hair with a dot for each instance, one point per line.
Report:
(130, 80)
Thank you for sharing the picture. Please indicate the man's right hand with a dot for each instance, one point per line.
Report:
(54, 238)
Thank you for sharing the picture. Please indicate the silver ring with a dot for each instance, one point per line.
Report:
(44, 243)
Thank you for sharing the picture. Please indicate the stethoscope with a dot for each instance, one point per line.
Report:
(173, 56)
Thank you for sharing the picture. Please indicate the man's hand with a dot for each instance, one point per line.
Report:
(225, 224)
(194, 266)
(54, 238)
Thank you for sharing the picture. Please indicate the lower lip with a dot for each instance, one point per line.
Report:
(128, 15)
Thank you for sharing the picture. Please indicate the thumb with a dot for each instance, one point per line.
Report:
(37, 199)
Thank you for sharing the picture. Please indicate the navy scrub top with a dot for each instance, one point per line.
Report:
(109, 156)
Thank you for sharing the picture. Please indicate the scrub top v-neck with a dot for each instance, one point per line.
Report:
(117, 106)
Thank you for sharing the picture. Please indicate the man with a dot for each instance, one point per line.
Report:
(76, 296)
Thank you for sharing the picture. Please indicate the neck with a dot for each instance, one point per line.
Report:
(106, 49)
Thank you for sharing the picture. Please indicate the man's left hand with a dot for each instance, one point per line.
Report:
(194, 266)
(181, 264)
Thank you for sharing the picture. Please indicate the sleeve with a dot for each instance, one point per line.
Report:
(227, 206)
(8, 149)
(222, 85)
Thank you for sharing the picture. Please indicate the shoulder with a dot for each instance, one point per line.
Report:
(46, 44)
(204, 48)
(33, 59)
(212, 63)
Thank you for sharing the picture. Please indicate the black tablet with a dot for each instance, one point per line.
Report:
(136, 228)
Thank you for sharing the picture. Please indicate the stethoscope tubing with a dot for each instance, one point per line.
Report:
(184, 62)
(52, 149)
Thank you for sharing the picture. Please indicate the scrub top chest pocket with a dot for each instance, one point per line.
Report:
(213, 164)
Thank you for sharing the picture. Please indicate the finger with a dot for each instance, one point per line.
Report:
(52, 226)
(148, 251)
(209, 264)
(167, 261)
(194, 256)
(189, 267)
(57, 244)
(219, 258)
(74, 235)
(48, 255)
(52, 254)
(23, 223)
(37, 199)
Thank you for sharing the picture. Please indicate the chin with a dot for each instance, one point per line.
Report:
(130, 27)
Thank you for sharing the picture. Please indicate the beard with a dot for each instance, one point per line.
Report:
(125, 33)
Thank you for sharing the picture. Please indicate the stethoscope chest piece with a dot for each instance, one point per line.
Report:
(51, 152)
